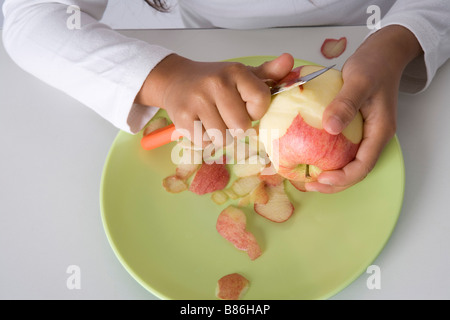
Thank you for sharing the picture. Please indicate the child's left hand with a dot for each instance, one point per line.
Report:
(371, 84)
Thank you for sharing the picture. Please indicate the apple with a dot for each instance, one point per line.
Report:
(174, 184)
(210, 177)
(303, 174)
(219, 197)
(278, 208)
(238, 151)
(231, 225)
(185, 170)
(243, 186)
(292, 133)
(186, 153)
(333, 48)
(257, 195)
(251, 166)
(231, 194)
(272, 179)
(232, 287)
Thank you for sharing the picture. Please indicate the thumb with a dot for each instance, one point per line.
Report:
(275, 69)
(344, 107)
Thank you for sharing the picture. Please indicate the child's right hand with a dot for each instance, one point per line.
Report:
(222, 95)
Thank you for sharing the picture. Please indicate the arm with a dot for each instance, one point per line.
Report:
(95, 65)
(120, 77)
(413, 43)
(222, 95)
(429, 22)
(371, 81)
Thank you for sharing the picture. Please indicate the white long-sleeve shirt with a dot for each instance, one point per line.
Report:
(105, 70)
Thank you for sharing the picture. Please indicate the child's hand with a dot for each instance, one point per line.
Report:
(222, 95)
(371, 81)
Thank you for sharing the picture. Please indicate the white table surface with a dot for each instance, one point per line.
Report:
(53, 150)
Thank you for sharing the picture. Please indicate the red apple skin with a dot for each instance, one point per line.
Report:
(231, 225)
(303, 141)
(210, 178)
(333, 48)
(291, 76)
(304, 144)
(231, 286)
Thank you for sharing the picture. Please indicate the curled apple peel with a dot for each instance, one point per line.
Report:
(292, 131)
(333, 48)
(231, 225)
(210, 177)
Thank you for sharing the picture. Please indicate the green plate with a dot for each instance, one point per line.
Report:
(169, 244)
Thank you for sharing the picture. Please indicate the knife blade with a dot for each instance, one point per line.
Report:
(283, 86)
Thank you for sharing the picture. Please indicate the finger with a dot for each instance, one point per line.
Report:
(189, 125)
(375, 139)
(275, 69)
(233, 110)
(322, 188)
(193, 130)
(254, 93)
(215, 129)
(344, 107)
(338, 180)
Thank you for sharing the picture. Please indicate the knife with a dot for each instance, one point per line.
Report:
(287, 83)
(168, 134)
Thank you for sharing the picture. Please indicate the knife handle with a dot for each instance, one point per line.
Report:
(160, 137)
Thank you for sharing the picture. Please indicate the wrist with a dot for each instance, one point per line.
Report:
(398, 45)
(155, 85)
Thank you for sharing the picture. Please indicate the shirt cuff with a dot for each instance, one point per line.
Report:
(418, 74)
(139, 116)
(132, 117)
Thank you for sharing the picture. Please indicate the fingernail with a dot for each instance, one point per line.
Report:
(325, 181)
(334, 125)
(310, 188)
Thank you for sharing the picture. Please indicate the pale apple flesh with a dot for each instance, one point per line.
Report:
(278, 208)
(292, 131)
(302, 174)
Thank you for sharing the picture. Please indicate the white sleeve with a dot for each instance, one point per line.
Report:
(429, 21)
(94, 64)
